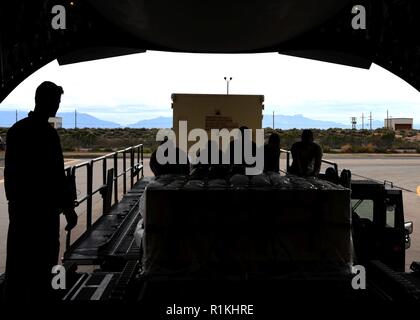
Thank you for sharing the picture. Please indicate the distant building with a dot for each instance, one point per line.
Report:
(399, 123)
(56, 122)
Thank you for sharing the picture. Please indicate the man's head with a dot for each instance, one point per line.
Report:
(48, 98)
(307, 136)
(274, 140)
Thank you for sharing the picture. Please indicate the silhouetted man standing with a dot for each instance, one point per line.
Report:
(272, 154)
(37, 191)
(307, 156)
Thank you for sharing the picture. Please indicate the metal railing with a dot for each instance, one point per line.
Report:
(109, 180)
(289, 153)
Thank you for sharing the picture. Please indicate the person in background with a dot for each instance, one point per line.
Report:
(239, 168)
(331, 175)
(168, 168)
(272, 154)
(37, 191)
(307, 156)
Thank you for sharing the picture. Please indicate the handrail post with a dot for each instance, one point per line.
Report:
(116, 177)
(138, 162)
(124, 172)
(89, 194)
(104, 177)
(142, 168)
(68, 235)
(132, 169)
(104, 171)
(107, 195)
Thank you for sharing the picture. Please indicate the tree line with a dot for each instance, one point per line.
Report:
(331, 140)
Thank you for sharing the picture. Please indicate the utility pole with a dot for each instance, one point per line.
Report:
(370, 120)
(228, 80)
(363, 121)
(16, 116)
(388, 121)
(75, 118)
(273, 121)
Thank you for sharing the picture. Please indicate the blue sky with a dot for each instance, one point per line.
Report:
(138, 87)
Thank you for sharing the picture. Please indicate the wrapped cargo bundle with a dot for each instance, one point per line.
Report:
(246, 224)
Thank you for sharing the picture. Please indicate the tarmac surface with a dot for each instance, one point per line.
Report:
(403, 170)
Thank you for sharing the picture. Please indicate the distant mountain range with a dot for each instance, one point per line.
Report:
(280, 121)
(298, 121)
(159, 122)
(84, 120)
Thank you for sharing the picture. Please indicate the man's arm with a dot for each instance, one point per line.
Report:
(67, 192)
(71, 218)
(318, 160)
(296, 159)
(69, 201)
